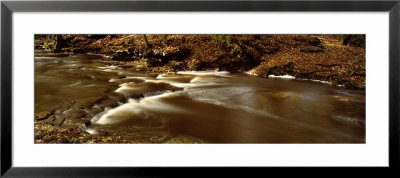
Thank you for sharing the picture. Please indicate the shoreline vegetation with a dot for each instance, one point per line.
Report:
(337, 59)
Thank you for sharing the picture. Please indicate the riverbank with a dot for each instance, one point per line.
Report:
(47, 133)
(333, 58)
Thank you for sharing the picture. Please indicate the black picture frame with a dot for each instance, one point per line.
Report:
(8, 7)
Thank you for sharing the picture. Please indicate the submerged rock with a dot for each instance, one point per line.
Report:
(42, 115)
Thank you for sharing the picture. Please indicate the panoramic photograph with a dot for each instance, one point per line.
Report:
(199, 88)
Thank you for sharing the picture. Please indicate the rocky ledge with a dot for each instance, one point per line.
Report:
(339, 59)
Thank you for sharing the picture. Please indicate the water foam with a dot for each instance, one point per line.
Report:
(139, 108)
(319, 81)
(203, 73)
(293, 77)
(282, 76)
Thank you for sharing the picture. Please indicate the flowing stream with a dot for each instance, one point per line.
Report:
(215, 107)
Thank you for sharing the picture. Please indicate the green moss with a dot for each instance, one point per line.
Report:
(221, 41)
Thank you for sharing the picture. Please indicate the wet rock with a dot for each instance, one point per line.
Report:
(280, 70)
(140, 90)
(75, 113)
(59, 111)
(87, 122)
(42, 115)
(93, 110)
(266, 69)
(152, 93)
(59, 120)
(348, 119)
(108, 101)
(121, 77)
(73, 122)
(51, 118)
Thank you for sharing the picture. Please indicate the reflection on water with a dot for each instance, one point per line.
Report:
(216, 107)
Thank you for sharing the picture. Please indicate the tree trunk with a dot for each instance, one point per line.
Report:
(146, 43)
(60, 42)
(164, 38)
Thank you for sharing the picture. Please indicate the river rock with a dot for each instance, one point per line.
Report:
(355, 40)
(59, 119)
(73, 122)
(270, 49)
(75, 113)
(42, 115)
(281, 69)
(313, 41)
(123, 56)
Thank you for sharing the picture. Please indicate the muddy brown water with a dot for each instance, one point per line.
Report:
(215, 107)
